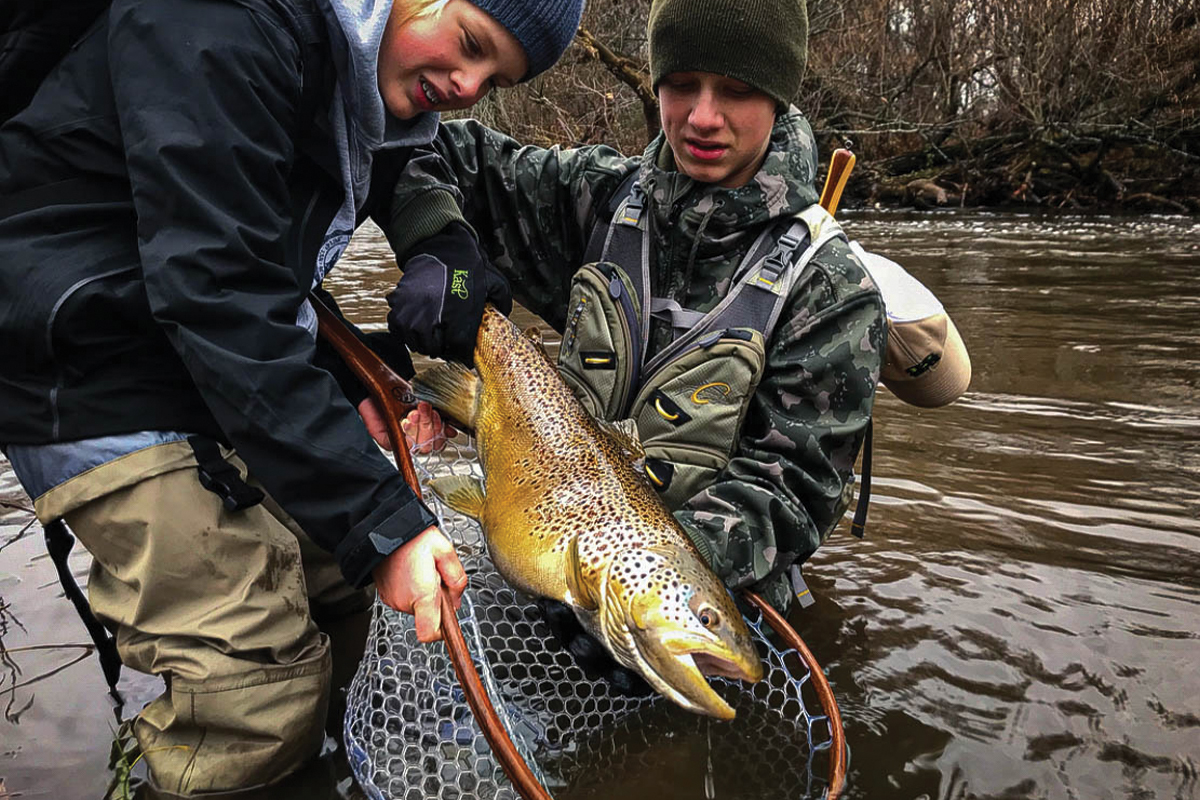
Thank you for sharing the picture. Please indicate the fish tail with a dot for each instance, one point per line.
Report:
(452, 389)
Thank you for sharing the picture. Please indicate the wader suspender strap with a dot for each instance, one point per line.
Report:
(59, 542)
(222, 478)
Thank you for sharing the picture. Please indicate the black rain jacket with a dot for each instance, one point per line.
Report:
(162, 201)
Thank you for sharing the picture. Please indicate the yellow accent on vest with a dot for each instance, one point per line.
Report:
(696, 394)
(597, 360)
(657, 480)
(665, 414)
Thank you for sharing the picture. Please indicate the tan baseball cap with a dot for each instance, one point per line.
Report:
(927, 363)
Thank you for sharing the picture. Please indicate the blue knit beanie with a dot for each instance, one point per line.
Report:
(543, 27)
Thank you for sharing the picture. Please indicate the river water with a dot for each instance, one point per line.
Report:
(1023, 618)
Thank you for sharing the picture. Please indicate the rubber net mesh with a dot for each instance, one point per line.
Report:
(411, 735)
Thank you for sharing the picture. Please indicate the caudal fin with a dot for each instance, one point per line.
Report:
(452, 389)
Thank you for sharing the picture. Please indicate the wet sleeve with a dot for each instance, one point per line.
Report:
(532, 208)
(791, 475)
(207, 94)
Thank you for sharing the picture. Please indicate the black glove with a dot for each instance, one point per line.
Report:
(588, 652)
(437, 305)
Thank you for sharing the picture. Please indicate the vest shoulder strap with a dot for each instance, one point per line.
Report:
(762, 283)
(604, 219)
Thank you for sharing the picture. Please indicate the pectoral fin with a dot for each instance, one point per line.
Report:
(639, 611)
(461, 492)
(581, 595)
(451, 388)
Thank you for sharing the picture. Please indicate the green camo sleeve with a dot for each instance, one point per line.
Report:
(531, 207)
(789, 481)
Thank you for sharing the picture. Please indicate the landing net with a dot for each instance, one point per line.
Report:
(410, 734)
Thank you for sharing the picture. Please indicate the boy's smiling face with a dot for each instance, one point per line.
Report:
(446, 59)
(718, 127)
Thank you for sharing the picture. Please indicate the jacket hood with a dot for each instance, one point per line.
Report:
(355, 34)
(783, 186)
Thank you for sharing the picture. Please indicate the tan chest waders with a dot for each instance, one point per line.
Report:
(689, 400)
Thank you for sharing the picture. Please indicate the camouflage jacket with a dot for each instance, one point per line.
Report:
(790, 479)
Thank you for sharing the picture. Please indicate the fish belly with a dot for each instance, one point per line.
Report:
(524, 549)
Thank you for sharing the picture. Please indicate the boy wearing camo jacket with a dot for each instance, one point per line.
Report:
(752, 420)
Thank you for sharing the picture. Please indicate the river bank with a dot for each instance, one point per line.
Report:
(1112, 174)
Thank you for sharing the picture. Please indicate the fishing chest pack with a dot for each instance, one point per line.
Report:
(689, 400)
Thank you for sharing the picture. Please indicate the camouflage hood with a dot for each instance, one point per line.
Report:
(724, 217)
(702, 230)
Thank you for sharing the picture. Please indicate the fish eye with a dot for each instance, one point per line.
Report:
(708, 617)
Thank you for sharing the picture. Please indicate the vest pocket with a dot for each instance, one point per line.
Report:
(689, 413)
(601, 344)
(678, 472)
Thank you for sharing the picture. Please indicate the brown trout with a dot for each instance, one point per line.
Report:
(567, 516)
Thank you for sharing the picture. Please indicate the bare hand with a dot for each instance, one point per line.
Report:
(372, 417)
(410, 580)
(423, 427)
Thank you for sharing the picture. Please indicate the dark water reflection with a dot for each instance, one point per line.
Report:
(1022, 620)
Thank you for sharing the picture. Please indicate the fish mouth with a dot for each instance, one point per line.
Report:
(714, 659)
(680, 669)
(716, 666)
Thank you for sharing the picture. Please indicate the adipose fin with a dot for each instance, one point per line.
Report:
(625, 433)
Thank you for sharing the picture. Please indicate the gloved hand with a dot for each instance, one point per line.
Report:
(437, 305)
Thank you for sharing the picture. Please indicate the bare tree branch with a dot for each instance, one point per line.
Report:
(628, 72)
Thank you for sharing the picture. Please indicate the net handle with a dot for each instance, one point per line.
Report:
(838, 758)
(841, 164)
(394, 394)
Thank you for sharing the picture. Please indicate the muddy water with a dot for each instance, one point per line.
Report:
(1023, 619)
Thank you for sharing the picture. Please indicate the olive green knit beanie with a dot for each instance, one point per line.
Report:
(761, 42)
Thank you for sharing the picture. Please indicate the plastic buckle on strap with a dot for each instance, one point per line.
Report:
(788, 244)
(632, 214)
(222, 478)
(780, 259)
